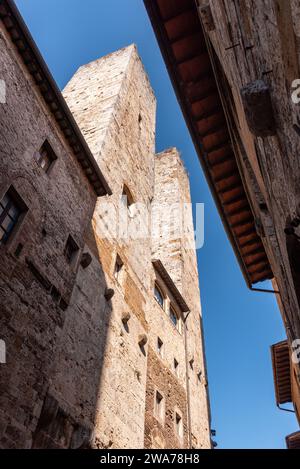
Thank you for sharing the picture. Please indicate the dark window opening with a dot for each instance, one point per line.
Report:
(11, 208)
(176, 367)
(71, 250)
(19, 250)
(160, 346)
(46, 156)
(178, 425)
(159, 406)
(119, 267)
(56, 296)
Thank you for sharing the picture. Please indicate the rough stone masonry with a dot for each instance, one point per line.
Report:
(103, 335)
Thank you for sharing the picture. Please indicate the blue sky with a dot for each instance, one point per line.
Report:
(239, 325)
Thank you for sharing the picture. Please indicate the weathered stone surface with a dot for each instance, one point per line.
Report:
(207, 17)
(268, 48)
(59, 203)
(258, 108)
(80, 372)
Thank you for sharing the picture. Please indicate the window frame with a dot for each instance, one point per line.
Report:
(173, 311)
(158, 288)
(14, 200)
(51, 156)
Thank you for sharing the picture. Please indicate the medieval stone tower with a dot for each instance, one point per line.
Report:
(103, 329)
(157, 398)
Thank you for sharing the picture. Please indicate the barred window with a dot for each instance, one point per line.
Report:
(11, 207)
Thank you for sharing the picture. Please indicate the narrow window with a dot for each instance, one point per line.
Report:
(119, 268)
(160, 345)
(71, 250)
(174, 317)
(176, 367)
(19, 250)
(11, 208)
(158, 296)
(46, 156)
(159, 406)
(127, 199)
(178, 425)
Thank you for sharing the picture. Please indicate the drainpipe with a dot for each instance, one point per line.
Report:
(187, 382)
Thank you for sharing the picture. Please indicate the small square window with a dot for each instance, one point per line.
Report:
(160, 345)
(71, 250)
(11, 208)
(159, 406)
(46, 156)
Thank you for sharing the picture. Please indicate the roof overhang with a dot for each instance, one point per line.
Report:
(293, 441)
(162, 272)
(51, 94)
(181, 38)
(282, 372)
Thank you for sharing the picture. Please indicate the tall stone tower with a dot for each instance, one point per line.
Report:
(100, 317)
(152, 389)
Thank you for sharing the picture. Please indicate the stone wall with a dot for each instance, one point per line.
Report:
(81, 373)
(127, 157)
(176, 249)
(36, 282)
(261, 41)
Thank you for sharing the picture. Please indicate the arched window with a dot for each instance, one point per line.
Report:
(158, 295)
(119, 269)
(175, 318)
(127, 198)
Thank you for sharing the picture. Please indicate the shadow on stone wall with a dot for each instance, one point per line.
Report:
(70, 404)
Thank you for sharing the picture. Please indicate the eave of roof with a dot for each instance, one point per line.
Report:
(51, 94)
(161, 270)
(282, 372)
(182, 42)
(293, 441)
